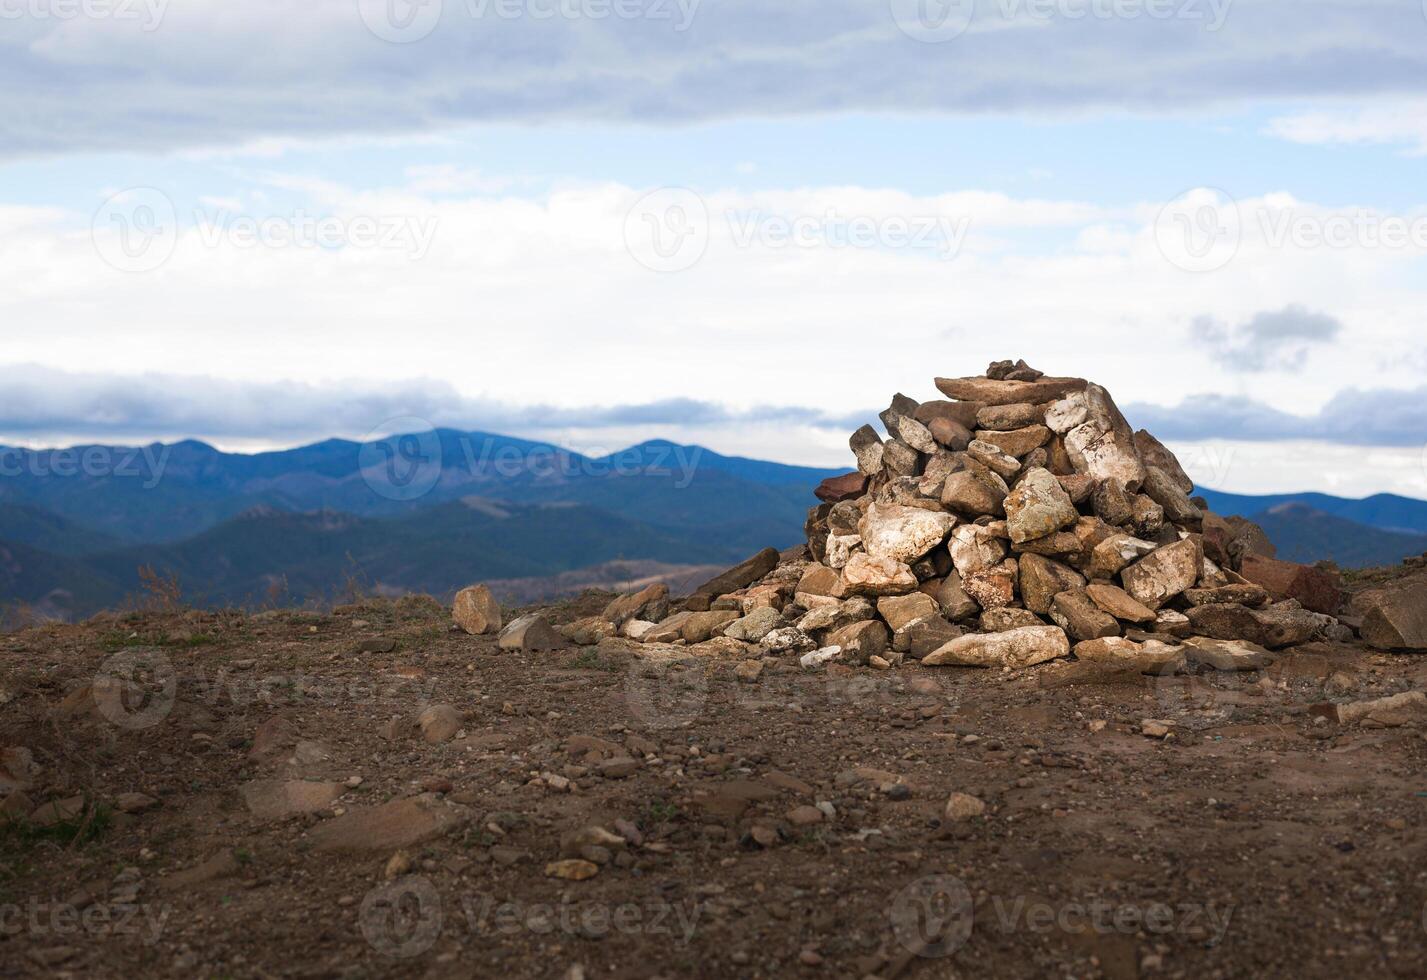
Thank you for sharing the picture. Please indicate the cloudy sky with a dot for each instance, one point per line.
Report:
(738, 224)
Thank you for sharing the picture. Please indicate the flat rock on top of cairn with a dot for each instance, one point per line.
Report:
(994, 529)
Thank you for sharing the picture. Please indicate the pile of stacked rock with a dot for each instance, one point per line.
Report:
(1017, 521)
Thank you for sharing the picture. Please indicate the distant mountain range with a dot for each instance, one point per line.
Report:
(434, 512)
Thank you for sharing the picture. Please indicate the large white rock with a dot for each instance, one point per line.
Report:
(1164, 573)
(975, 549)
(1038, 506)
(840, 548)
(1104, 444)
(1014, 648)
(868, 576)
(903, 533)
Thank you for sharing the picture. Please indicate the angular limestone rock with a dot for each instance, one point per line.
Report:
(993, 587)
(644, 604)
(1104, 444)
(955, 604)
(531, 634)
(974, 548)
(1042, 579)
(1226, 655)
(867, 447)
(1038, 506)
(1017, 442)
(898, 611)
(1407, 708)
(1154, 453)
(1081, 619)
(476, 611)
(1395, 618)
(967, 493)
(1014, 648)
(1150, 657)
(1164, 573)
(1120, 604)
(743, 574)
(1005, 418)
(903, 533)
(868, 576)
(860, 640)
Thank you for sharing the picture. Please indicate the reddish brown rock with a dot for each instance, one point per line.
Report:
(1154, 453)
(743, 574)
(993, 587)
(950, 433)
(1315, 588)
(849, 486)
(400, 823)
(963, 414)
(644, 604)
(1120, 604)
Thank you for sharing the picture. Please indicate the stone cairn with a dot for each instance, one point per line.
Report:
(1018, 521)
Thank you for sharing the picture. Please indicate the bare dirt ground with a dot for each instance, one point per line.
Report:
(795, 826)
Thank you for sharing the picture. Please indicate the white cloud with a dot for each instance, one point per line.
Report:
(269, 71)
(1394, 122)
(533, 298)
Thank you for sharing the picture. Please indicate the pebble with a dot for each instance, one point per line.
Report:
(964, 806)
(574, 869)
